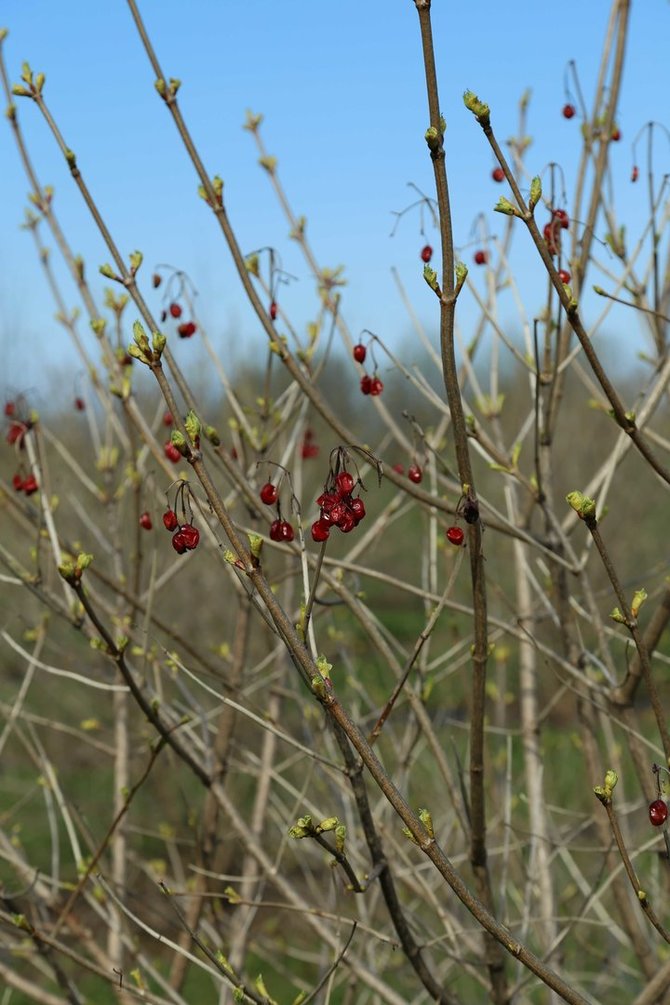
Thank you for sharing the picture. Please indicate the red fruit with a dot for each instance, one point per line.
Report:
(357, 507)
(15, 433)
(145, 521)
(455, 536)
(172, 453)
(551, 238)
(376, 386)
(481, 257)
(498, 174)
(366, 384)
(345, 483)
(399, 469)
(190, 534)
(163, 316)
(414, 473)
(564, 276)
(175, 310)
(336, 513)
(658, 812)
(30, 485)
(616, 135)
(268, 494)
(273, 311)
(327, 500)
(359, 353)
(167, 419)
(275, 530)
(426, 253)
(348, 521)
(634, 175)
(170, 520)
(10, 408)
(80, 404)
(186, 329)
(286, 531)
(155, 280)
(17, 482)
(320, 530)
(562, 217)
(569, 111)
(179, 542)
(309, 450)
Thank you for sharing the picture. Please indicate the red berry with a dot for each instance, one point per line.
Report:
(309, 450)
(345, 483)
(551, 238)
(17, 482)
(172, 453)
(30, 485)
(399, 469)
(359, 353)
(348, 520)
(357, 507)
(179, 542)
(616, 135)
(320, 530)
(562, 217)
(455, 536)
(634, 175)
(268, 494)
(426, 253)
(145, 521)
(564, 276)
(275, 530)
(186, 329)
(498, 174)
(366, 384)
(273, 311)
(10, 408)
(658, 812)
(569, 111)
(175, 310)
(80, 404)
(167, 419)
(286, 530)
(155, 280)
(15, 433)
(481, 257)
(414, 473)
(170, 520)
(376, 386)
(190, 534)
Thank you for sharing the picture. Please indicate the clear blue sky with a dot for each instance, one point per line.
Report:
(341, 87)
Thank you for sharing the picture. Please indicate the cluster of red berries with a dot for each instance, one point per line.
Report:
(185, 536)
(338, 507)
(280, 530)
(309, 448)
(18, 426)
(185, 329)
(369, 384)
(552, 230)
(27, 484)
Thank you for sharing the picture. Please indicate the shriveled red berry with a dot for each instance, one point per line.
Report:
(569, 111)
(616, 135)
(376, 386)
(359, 352)
(273, 311)
(30, 485)
(426, 253)
(455, 536)
(347, 521)
(170, 520)
(190, 534)
(320, 530)
(268, 494)
(175, 310)
(481, 257)
(414, 473)
(658, 812)
(366, 384)
(345, 483)
(562, 217)
(171, 452)
(10, 408)
(564, 276)
(357, 507)
(179, 542)
(155, 280)
(635, 173)
(326, 501)
(167, 419)
(498, 174)
(145, 521)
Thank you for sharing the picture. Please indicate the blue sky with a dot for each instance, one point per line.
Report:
(341, 88)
